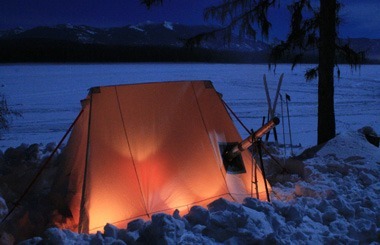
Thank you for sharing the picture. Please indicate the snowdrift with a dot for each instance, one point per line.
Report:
(333, 198)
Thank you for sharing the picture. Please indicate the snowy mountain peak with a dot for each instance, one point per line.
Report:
(18, 30)
(145, 23)
(136, 28)
(155, 34)
(69, 26)
(14, 31)
(168, 25)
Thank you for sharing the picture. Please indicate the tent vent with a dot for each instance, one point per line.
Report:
(234, 166)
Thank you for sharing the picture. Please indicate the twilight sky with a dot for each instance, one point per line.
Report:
(361, 18)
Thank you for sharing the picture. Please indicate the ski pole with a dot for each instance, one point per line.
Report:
(290, 132)
(283, 125)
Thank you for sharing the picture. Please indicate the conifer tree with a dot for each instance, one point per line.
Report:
(312, 28)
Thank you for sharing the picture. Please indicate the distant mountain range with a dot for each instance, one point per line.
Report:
(142, 42)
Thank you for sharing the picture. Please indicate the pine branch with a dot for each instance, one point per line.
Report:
(303, 35)
(242, 15)
(352, 57)
(149, 3)
(311, 73)
(245, 16)
(238, 17)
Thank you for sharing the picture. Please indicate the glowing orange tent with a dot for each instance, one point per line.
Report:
(140, 149)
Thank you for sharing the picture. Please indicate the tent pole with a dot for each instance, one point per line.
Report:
(130, 150)
(258, 143)
(34, 180)
(82, 228)
(237, 118)
(252, 170)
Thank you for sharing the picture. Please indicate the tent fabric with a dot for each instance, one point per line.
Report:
(146, 148)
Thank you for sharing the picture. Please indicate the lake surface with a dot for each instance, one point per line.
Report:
(48, 95)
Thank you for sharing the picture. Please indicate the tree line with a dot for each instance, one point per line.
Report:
(46, 50)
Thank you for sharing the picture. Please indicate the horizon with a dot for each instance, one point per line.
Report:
(359, 19)
(154, 22)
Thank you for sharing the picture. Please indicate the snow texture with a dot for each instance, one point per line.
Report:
(335, 201)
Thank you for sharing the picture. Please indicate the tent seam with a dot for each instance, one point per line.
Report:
(130, 150)
(205, 127)
(82, 204)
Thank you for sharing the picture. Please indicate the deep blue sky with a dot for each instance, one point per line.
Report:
(361, 17)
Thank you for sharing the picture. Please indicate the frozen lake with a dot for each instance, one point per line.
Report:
(48, 95)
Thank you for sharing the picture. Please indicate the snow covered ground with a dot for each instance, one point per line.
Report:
(334, 199)
(48, 96)
(329, 195)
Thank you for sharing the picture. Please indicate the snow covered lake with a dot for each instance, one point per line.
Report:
(48, 95)
(328, 197)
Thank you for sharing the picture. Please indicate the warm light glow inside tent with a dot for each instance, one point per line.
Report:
(145, 148)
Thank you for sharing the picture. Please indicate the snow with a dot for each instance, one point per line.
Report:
(91, 32)
(84, 38)
(136, 28)
(168, 25)
(329, 194)
(69, 26)
(48, 96)
(336, 201)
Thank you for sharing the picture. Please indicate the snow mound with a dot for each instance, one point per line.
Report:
(351, 144)
(335, 200)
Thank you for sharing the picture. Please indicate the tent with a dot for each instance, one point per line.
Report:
(140, 149)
